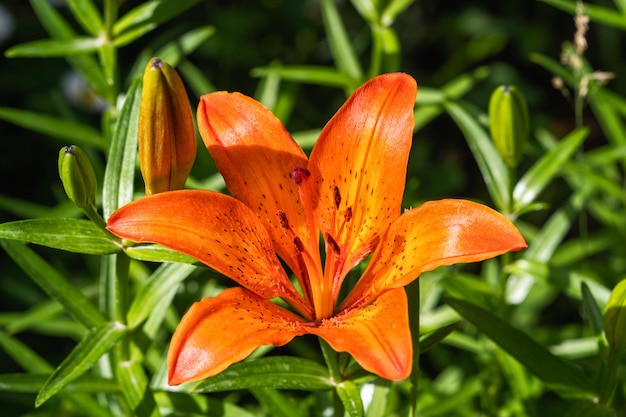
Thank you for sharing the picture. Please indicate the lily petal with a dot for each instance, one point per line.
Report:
(377, 335)
(437, 233)
(214, 228)
(217, 332)
(359, 167)
(257, 156)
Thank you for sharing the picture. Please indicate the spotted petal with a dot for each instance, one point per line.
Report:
(214, 228)
(359, 168)
(437, 233)
(256, 156)
(217, 332)
(377, 335)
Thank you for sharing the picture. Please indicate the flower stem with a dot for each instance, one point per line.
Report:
(413, 293)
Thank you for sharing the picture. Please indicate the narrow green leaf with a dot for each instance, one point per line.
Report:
(278, 372)
(545, 169)
(67, 131)
(85, 65)
(147, 16)
(598, 14)
(46, 48)
(53, 283)
(340, 45)
(367, 10)
(86, 13)
(183, 403)
(316, 75)
(592, 309)
(134, 386)
(174, 52)
(96, 343)
(393, 9)
(73, 235)
(273, 401)
(430, 340)
(495, 172)
(162, 284)
(350, 397)
(158, 253)
(120, 171)
(537, 359)
(24, 356)
(32, 383)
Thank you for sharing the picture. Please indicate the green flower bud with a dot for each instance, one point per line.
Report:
(78, 176)
(615, 317)
(167, 137)
(509, 123)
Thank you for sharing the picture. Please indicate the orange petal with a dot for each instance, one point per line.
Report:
(256, 156)
(359, 166)
(217, 332)
(437, 233)
(377, 336)
(214, 228)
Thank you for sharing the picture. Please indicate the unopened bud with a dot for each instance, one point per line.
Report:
(615, 317)
(78, 176)
(167, 137)
(509, 123)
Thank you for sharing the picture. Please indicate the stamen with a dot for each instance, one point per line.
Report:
(348, 214)
(333, 244)
(300, 174)
(336, 197)
(298, 243)
(282, 218)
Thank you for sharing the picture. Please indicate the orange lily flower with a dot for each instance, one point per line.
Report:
(349, 191)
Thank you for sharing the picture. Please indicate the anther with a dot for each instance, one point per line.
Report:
(348, 214)
(298, 243)
(282, 218)
(336, 197)
(333, 244)
(300, 174)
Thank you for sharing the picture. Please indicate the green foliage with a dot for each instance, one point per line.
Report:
(86, 318)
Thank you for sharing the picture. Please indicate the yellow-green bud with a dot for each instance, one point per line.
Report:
(509, 123)
(78, 176)
(167, 137)
(615, 317)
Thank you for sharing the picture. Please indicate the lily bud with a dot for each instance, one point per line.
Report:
(615, 317)
(167, 137)
(509, 123)
(78, 176)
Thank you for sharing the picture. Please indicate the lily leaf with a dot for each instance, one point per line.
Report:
(67, 131)
(55, 47)
(278, 372)
(120, 170)
(32, 383)
(545, 169)
(162, 284)
(158, 253)
(551, 369)
(147, 16)
(86, 65)
(53, 283)
(305, 74)
(598, 14)
(86, 13)
(73, 235)
(350, 397)
(134, 386)
(340, 45)
(94, 344)
(495, 172)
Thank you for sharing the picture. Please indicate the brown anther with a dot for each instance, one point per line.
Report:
(336, 197)
(333, 244)
(282, 218)
(300, 174)
(298, 243)
(348, 214)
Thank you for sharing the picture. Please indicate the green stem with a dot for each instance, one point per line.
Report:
(413, 293)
